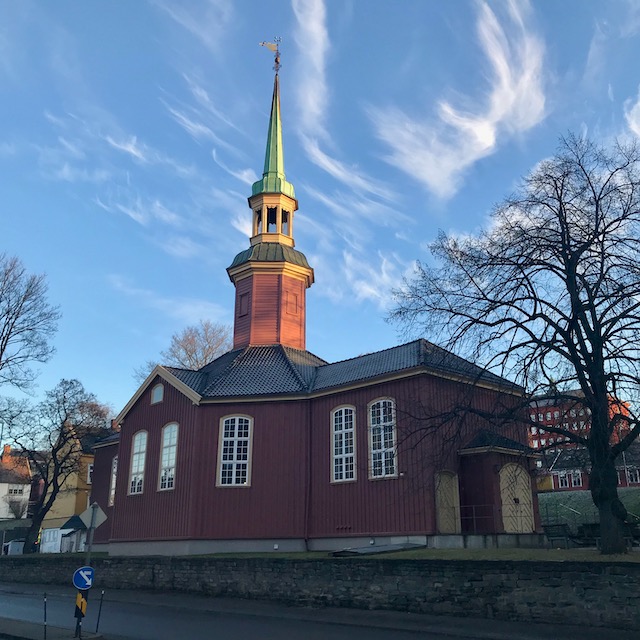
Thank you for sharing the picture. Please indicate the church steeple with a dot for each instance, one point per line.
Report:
(273, 178)
(271, 277)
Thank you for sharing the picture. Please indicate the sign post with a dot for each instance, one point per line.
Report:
(82, 581)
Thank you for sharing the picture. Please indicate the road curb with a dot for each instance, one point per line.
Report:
(19, 630)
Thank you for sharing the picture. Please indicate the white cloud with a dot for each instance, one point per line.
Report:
(374, 281)
(247, 176)
(182, 247)
(437, 151)
(206, 19)
(186, 310)
(143, 212)
(68, 173)
(129, 146)
(632, 114)
(312, 40)
(349, 176)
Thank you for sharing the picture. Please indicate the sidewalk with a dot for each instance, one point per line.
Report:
(18, 630)
(462, 627)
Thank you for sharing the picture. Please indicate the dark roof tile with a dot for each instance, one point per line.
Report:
(274, 369)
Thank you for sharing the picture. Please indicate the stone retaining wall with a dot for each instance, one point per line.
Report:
(595, 593)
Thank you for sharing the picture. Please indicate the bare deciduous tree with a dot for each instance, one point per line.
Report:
(17, 506)
(53, 437)
(549, 296)
(191, 348)
(27, 323)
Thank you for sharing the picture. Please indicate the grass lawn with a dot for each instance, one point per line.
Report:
(532, 555)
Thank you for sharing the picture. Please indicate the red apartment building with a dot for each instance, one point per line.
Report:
(563, 465)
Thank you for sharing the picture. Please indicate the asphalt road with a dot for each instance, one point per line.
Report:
(139, 615)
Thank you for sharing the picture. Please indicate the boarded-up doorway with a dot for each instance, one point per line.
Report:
(447, 502)
(517, 501)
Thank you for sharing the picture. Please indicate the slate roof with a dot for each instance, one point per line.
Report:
(110, 439)
(571, 458)
(490, 439)
(270, 252)
(13, 476)
(275, 369)
(14, 468)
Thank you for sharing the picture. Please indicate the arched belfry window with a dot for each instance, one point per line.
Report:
(286, 227)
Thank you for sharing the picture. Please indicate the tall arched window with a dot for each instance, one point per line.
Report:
(168, 456)
(138, 455)
(234, 452)
(112, 481)
(343, 444)
(382, 439)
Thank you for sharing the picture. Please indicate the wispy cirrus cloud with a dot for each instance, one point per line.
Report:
(374, 280)
(632, 114)
(207, 20)
(312, 96)
(312, 39)
(248, 176)
(143, 211)
(184, 309)
(437, 151)
(130, 146)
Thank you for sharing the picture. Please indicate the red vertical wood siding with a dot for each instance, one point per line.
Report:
(292, 325)
(291, 493)
(269, 320)
(242, 323)
(155, 514)
(101, 482)
(265, 316)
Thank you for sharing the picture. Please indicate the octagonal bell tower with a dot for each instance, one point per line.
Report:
(271, 277)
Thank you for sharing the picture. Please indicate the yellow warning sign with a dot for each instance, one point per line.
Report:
(81, 604)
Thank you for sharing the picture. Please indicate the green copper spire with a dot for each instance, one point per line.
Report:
(273, 179)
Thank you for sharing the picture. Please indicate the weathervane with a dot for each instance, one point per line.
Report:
(275, 47)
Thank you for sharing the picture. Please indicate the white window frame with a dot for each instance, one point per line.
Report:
(112, 481)
(168, 454)
(157, 393)
(90, 473)
(383, 454)
(576, 478)
(15, 490)
(563, 480)
(343, 444)
(138, 462)
(234, 453)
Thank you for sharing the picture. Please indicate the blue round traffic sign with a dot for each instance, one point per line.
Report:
(83, 578)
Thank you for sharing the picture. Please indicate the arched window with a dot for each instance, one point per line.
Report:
(382, 439)
(168, 456)
(112, 481)
(234, 452)
(343, 444)
(157, 394)
(138, 455)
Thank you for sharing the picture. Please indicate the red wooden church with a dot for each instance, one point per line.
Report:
(269, 447)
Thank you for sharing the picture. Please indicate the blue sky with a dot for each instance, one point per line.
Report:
(132, 131)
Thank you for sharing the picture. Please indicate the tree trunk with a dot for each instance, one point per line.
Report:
(31, 538)
(603, 482)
